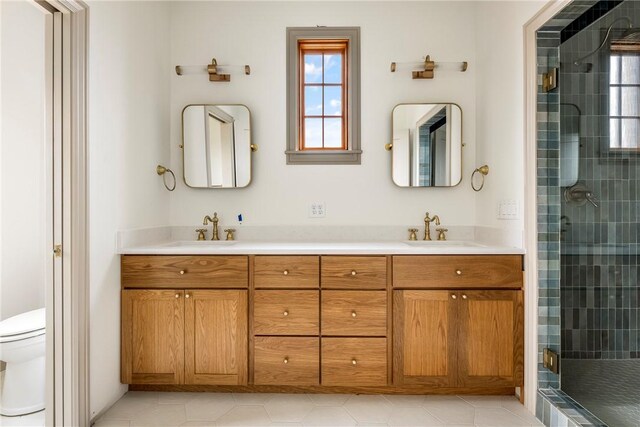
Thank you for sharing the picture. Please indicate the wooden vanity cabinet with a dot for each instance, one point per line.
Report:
(467, 336)
(184, 335)
(372, 324)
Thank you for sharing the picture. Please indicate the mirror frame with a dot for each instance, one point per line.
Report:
(462, 143)
(184, 178)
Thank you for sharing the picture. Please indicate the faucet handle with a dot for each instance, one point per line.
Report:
(412, 234)
(201, 233)
(230, 232)
(441, 233)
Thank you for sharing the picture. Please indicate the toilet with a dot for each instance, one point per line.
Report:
(22, 348)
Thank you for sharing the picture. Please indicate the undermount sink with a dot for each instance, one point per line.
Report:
(200, 243)
(437, 243)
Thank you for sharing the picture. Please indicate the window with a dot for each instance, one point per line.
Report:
(323, 91)
(624, 99)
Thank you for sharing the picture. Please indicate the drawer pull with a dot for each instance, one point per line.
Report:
(177, 295)
(286, 360)
(459, 272)
(187, 296)
(354, 362)
(353, 314)
(353, 272)
(286, 313)
(182, 272)
(464, 296)
(286, 272)
(454, 296)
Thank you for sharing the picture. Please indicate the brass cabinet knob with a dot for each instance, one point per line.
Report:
(286, 272)
(187, 296)
(459, 272)
(353, 314)
(182, 272)
(354, 362)
(286, 360)
(353, 272)
(286, 313)
(177, 295)
(454, 296)
(464, 296)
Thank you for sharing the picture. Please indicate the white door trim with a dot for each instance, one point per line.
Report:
(531, 202)
(68, 302)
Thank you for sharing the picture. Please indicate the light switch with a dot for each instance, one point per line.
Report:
(508, 209)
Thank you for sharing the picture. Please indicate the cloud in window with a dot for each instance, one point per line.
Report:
(312, 69)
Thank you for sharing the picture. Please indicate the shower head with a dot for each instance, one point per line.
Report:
(585, 67)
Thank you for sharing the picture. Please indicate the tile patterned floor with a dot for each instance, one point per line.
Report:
(227, 409)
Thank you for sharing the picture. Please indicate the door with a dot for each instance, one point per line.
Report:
(424, 338)
(491, 334)
(216, 337)
(152, 337)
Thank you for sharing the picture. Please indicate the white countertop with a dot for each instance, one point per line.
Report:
(320, 248)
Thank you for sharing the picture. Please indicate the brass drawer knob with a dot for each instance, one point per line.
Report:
(454, 296)
(177, 295)
(354, 362)
(459, 272)
(353, 314)
(464, 296)
(286, 313)
(182, 272)
(187, 296)
(286, 360)
(353, 272)
(286, 272)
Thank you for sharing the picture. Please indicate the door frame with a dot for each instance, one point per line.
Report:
(531, 202)
(67, 301)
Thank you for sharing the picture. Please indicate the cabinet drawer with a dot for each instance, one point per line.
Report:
(286, 361)
(457, 272)
(347, 272)
(359, 313)
(354, 361)
(286, 312)
(287, 271)
(169, 271)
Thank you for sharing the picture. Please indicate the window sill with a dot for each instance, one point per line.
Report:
(328, 157)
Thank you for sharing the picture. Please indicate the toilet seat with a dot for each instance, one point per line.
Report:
(23, 326)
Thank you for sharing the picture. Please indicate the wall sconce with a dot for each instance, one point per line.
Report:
(215, 71)
(426, 69)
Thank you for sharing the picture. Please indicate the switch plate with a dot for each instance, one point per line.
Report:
(508, 209)
(317, 210)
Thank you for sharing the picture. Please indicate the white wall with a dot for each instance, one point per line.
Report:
(128, 136)
(500, 106)
(22, 279)
(254, 33)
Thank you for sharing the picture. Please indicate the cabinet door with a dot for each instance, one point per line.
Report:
(152, 337)
(216, 337)
(424, 338)
(491, 328)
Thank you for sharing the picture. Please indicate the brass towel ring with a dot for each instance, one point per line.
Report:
(161, 170)
(483, 171)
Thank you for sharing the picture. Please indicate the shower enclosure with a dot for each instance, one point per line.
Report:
(596, 109)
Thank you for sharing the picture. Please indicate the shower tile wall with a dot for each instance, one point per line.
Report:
(599, 251)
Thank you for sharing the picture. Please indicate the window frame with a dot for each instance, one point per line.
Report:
(620, 51)
(350, 152)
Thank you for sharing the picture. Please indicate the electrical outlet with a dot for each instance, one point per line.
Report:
(508, 209)
(317, 210)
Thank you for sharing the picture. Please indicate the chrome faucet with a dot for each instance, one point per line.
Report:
(427, 225)
(214, 220)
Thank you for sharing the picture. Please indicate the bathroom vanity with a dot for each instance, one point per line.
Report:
(361, 318)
